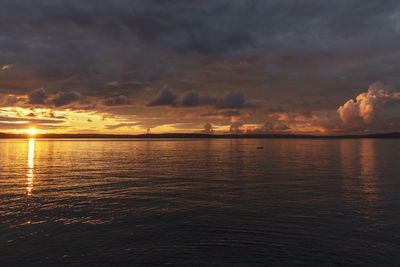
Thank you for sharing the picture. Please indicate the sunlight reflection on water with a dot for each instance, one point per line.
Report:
(30, 167)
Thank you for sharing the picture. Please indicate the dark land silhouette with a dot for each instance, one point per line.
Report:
(200, 135)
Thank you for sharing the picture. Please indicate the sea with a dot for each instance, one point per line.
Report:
(199, 202)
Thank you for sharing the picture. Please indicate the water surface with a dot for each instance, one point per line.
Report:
(200, 202)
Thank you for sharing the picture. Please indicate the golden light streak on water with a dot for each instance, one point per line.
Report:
(30, 167)
(367, 158)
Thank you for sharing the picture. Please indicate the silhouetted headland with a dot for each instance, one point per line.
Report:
(201, 135)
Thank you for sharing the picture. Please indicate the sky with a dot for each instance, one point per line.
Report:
(222, 66)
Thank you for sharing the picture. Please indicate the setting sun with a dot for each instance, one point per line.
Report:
(32, 131)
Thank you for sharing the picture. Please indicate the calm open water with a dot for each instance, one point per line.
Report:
(200, 202)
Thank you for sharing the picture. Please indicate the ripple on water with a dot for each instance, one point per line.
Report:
(198, 202)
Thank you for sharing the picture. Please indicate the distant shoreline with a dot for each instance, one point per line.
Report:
(199, 136)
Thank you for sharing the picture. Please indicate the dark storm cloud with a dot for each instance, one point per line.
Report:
(278, 50)
(166, 98)
(117, 101)
(38, 96)
(192, 99)
(231, 100)
(65, 98)
(95, 31)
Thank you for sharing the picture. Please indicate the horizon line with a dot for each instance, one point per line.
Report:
(194, 135)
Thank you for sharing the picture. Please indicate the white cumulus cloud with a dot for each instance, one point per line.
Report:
(366, 105)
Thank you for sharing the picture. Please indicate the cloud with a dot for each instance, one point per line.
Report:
(221, 114)
(6, 67)
(13, 126)
(11, 100)
(274, 124)
(65, 98)
(192, 99)
(29, 120)
(367, 105)
(230, 113)
(166, 98)
(60, 99)
(116, 126)
(231, 101)
(208, 128)
(38, 97)
(236, 125)
(21, 126)
(16, 123)
(117, 101)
